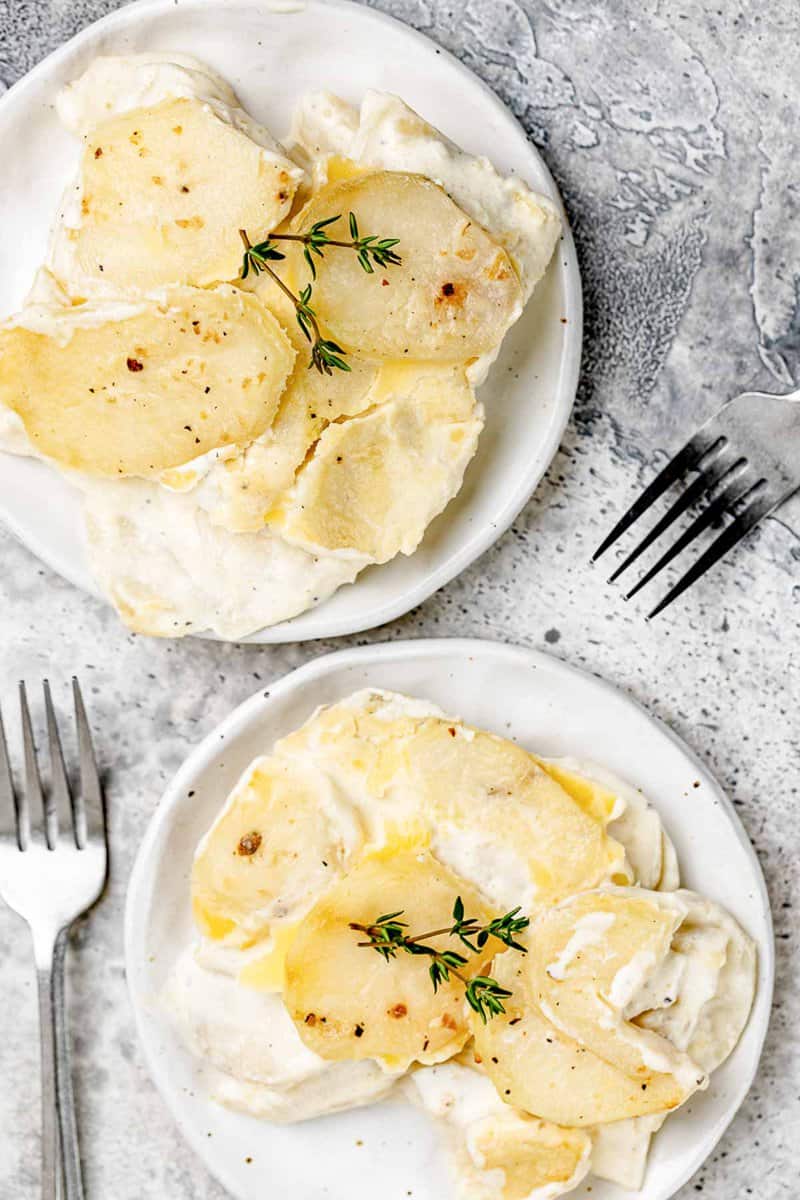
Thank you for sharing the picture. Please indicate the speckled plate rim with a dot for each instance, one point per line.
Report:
(495, 514)
(441, 659)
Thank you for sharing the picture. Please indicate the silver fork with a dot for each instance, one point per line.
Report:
(747, 458)
(53, 863)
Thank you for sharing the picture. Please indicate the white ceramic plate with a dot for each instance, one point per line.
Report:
(271, 58)
(390, 1149)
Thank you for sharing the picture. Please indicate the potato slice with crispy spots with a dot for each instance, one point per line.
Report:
(347, 1001)
(452, 298)
(135, 389)
(163, 194)
(280, 840)
(375, 482)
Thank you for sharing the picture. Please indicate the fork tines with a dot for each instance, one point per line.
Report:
(63, 815)
(742, 494)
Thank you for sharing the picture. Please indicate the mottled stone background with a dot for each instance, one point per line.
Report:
(669, 130)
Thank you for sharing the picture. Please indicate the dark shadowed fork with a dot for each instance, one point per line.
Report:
(747, 459)
(53, 862)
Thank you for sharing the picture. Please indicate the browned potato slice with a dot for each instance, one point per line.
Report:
(453, 297)
(139, 391)
(374, 483)
(346, 1001)
(278, 842)
(165, 191)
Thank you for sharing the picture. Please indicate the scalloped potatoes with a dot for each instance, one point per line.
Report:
(621, 1002)
(238, 500)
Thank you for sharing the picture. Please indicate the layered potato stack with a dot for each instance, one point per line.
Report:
(226, 485)
(630, 992)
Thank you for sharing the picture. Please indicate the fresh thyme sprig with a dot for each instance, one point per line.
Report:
(326, 355)
(371, 250)
(483, 994)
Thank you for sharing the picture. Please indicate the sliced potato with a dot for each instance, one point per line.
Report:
(148, 388)
(452, 298)
(250, 483)
(597, 801)
(358, 745)
(564, 1050)
(585, 957)
(280, 841)
(347, 1001)
(532, 1155)
(651, 857)
(375, 482)
(710, 945)
(537, 1068)
(164, 193)
(482, 797)
(484, 792)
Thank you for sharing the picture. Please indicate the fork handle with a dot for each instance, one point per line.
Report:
(60, 1157)
(68, 1129)
(51, 1159)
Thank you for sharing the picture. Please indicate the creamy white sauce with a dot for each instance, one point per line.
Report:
(620, 1149)
(454, 1091)
(589, 931)
(249, 1037)
(171, 572)
(631, 978)
(340, 1087)
(60, 323)
(13, 435)
(189, 474)
(709, 978)
(114, 84)
(390, 706)
(502, 875)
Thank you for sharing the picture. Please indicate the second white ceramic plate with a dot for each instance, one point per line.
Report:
(271, 57)
(391, 1149)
